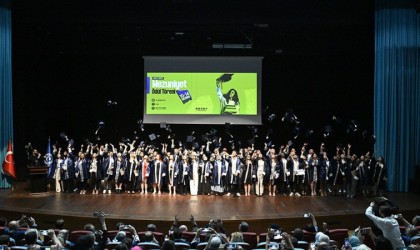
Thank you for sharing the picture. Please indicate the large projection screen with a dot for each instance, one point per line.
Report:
(202, 90)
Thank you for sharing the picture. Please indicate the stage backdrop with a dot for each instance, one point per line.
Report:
(397, 89)
(6, 108)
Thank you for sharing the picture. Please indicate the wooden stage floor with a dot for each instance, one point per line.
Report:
(161, 209)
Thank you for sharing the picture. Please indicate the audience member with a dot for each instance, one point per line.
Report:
(356, 244)
(243, 227)
(5, 241)
(89, 227)
(168, 245)
(149, 237)
(383, 243)
(298, 234)
(59, 224)
(389, 225)
(416, 220)
(14, 232)
(214, 243)
(151, 227)
(236, 237)
(3, 222)
(121, 235)
(177, 234)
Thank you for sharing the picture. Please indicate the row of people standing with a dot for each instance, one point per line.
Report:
(145, 169)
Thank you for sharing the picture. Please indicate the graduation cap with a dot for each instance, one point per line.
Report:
(205, 137)
(125, 140)
(253, 129)
(271, 117)
(213, 131)
(196, 145)
(269, 131)
(152, 137)
(227, 129)
(373, 139)
(64, 136)
(171, 136)
(224, 78)
(163, 125)
(88, 142)
(266, 109)
(327, 130)
(365, 134)
(215, 141)
(100, 125)
(309, 132)
(290, 143)
(168, 128)
(227, 132)
(352, 127)
(296, 131)
(140, 123)
(190, 138)
(71, 142)
(289, 116)
(111, 103)
(336, 119)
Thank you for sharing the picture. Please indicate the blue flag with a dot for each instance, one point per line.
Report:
(48, 157)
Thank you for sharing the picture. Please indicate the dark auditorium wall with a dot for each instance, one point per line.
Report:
(69, 58)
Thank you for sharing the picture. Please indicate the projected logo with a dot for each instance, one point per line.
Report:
(184, 95)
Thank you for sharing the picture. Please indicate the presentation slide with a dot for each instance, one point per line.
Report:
(202, 90)
(195, 93)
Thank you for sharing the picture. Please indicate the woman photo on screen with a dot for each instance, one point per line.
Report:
(229, 102)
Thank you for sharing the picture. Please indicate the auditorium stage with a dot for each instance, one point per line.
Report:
(139, 210)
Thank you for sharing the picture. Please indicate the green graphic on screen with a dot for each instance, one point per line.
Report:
(201, 93)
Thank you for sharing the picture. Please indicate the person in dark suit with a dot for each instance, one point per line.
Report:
(172, 174)
(68, 173)
(82, 166)
(108, 169)
(274, 175)
(218, 176)
(233, 173)
(131, 173)
(294, 165)
(379, 177)
(157, 174)
(183, 168)
(95, 172)
(324, 174)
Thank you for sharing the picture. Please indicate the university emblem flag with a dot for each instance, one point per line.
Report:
(48, 157)
(8, 167)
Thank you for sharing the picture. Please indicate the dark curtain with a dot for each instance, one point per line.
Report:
(6, 108)
(397, 89)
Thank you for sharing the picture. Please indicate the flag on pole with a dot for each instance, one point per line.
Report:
(8, 167)
(48, 157)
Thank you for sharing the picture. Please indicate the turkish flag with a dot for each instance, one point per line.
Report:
(9, 163)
